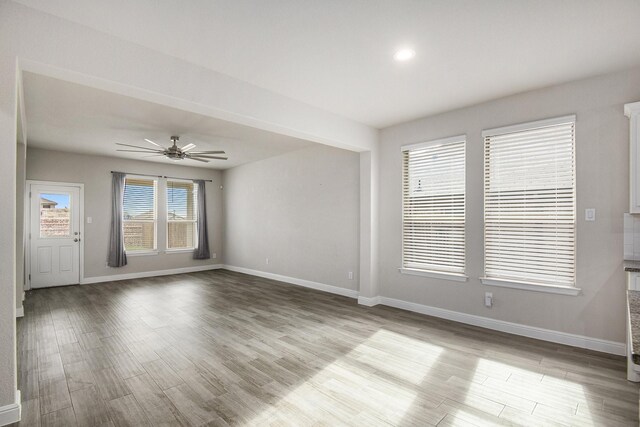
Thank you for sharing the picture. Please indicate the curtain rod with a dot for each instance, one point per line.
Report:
(163, 176)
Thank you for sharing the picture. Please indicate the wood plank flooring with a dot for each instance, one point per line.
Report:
(220, 348)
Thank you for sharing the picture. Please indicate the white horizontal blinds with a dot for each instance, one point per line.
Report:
(529, 204)
(433, 218)
(139, 214)
(182, 211)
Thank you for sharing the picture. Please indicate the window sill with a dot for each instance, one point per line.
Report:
(434, 274)
(179, 251)
(141, 253)
(535, 287)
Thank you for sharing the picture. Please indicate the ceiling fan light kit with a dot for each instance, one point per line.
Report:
(174, 152)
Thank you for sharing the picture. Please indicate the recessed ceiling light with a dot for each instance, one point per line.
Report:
(404, 54)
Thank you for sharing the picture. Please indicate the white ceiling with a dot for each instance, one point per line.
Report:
(337, 54)
(70, 117)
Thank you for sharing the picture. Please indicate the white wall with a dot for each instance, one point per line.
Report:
(8, 137)
(94, 173)
(369, 226)
(21, 160)
(602, 141)
(300, 210)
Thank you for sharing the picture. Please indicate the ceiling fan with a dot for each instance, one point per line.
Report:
(174, 152)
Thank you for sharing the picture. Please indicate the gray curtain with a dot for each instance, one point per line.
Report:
(117, 255)
(202, 250)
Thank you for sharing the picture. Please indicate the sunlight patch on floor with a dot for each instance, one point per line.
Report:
(372, 373)
(525, 393)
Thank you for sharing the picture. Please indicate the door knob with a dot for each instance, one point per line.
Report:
(75, 240)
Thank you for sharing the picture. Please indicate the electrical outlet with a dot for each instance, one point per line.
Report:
(351, 275)
(214, 256)
(590, 214)
(488, 299)
(266, 261)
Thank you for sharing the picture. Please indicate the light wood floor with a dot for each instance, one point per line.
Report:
(218, 348)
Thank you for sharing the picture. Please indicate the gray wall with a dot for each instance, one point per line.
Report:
(94, 173)
(602, 146)
(300, 210)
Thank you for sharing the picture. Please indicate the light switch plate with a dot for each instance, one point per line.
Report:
(590, 214)
(488, 299)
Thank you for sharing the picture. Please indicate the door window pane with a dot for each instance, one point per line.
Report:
(55, 215)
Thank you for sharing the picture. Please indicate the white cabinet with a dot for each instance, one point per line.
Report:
(633, 112)
(633, 281)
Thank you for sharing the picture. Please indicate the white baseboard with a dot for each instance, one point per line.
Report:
(143, 274)
(20, 311)
(369, 302)
(300, 282)
(10, 414)
(611, 347)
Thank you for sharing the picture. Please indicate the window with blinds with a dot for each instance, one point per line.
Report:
(529, 203)
(433, 207)
(139, 214)
(182, 211)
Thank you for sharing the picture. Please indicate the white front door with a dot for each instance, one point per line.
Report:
(54, 237)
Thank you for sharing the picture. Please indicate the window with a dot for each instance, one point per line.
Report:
(433, 208)
(182, 211)
(529, 203)
(139, 214)
(55, 215)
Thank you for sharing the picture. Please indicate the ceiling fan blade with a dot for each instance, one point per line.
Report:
(208, 152)
(160, 153)
(151, 142)
(188, 147)
(197, 159)
(137, 146)
(154, 155)
(208, 157)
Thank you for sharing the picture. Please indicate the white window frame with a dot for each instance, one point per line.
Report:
(521, 284)
(433, 273)
(144, 252)
(194, 221)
